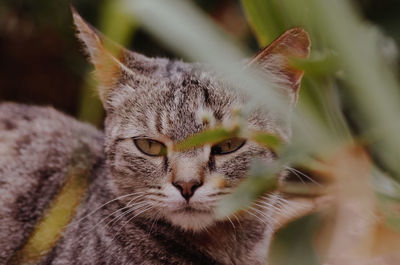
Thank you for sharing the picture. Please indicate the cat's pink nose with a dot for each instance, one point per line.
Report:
(187, 188)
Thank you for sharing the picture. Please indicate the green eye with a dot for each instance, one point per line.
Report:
(228, 146)
(150, 147)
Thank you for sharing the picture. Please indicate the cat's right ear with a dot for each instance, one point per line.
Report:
(106, 56)
(275, 59)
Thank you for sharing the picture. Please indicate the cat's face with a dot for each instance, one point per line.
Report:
(153, 104)
(183, 187)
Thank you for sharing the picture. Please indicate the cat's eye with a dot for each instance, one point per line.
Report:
(228, 146)
(150, 147)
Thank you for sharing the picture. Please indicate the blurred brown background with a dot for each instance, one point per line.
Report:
(41, 62)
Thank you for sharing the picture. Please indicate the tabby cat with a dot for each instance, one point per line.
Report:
(144, 202)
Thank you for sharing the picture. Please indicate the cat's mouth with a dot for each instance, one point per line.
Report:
(191, 217)
(188, 209)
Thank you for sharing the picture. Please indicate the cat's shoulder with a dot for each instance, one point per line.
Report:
(37, 145)
(36, 127)
(33, 138)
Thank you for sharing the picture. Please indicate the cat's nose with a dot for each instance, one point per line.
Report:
(187, 188)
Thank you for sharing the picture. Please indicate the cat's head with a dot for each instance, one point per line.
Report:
(153, 103)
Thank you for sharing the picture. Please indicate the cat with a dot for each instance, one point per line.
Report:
(144, 203)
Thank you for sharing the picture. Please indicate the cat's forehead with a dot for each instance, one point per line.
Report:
(175, 101)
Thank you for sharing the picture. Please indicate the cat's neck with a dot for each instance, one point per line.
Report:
(241, 241)
(244, 241)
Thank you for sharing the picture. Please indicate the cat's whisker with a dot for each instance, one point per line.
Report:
(142, 208)
(120, 209)
(233, 225)
(261, 213)
(256, 216)
(101, 206)
(115, 220)
(277, 207)
(298, 173)
(108, 216)
(98, 223)
(281, 201)
(136, 198)
(267, 205)
(265, 202)
(136, 207)
(205, 229)
(125, 214)
(155, 222)
(130, 219)
(280, 204)
(268, 209)
(103, 219)
(238, 220)
(269, 199)
(155, 199)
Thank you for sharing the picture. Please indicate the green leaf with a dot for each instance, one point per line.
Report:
(266, 139)
(325, 65)
(208, 136)
(260, 180)
(265, 19)
(116, 24)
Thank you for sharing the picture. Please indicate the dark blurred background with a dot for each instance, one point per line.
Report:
(41, 62)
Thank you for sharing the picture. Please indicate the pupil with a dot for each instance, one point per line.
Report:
(217, 150)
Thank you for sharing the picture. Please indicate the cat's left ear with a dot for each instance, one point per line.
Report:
(107, 65)
(108, 57)
(275, 59)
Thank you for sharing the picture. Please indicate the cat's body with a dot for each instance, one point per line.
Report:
(36, 145)
(146, 203)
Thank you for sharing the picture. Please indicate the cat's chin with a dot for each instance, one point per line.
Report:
(192, 220)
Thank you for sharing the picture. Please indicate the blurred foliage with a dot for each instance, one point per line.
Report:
(346, 124)
(260, 179)
(46, 28)
(293, 245)
(348, 60)
(365, 82)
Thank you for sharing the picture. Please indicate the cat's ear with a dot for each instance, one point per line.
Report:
(107, 57)
(106, 64)
(275, 59)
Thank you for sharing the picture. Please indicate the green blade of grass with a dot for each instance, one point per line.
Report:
(208, 136)
(265, 19)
